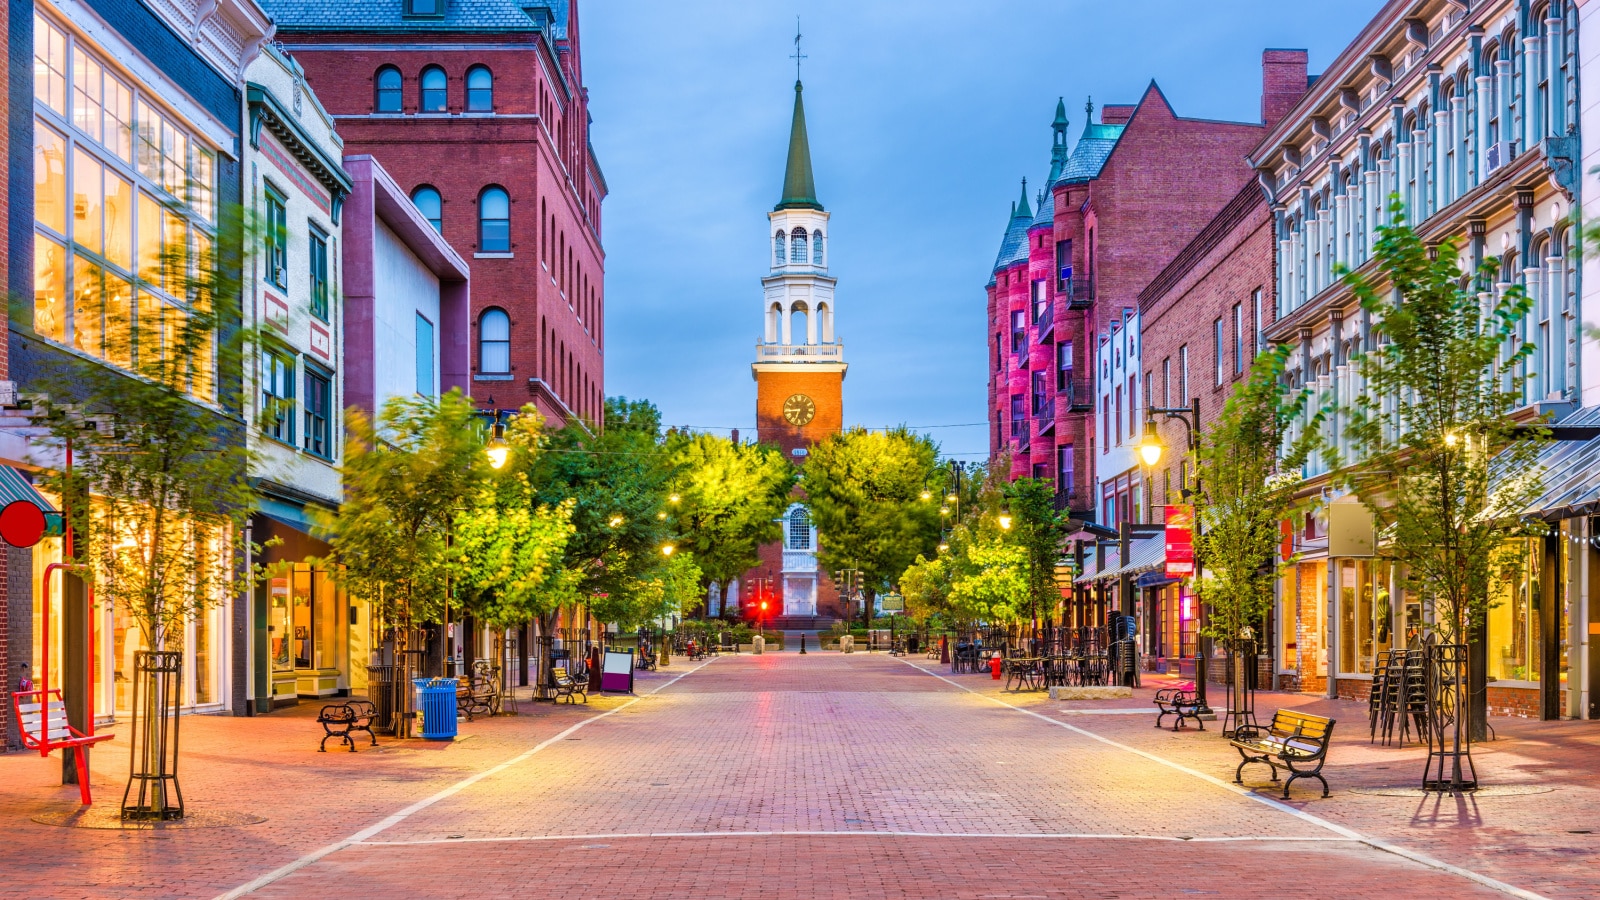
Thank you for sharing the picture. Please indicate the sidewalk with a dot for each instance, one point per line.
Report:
(1547, 842)
(265, 766)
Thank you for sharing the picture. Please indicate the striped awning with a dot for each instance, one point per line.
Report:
(1570, 477)
(15, 487)
(1146, 555)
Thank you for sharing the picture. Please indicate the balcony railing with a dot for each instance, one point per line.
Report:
(833, 352)
(1075, 395)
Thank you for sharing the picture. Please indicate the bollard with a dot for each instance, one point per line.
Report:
(802, 645)
(758, 645)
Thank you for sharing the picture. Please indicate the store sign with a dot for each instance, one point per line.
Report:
(1180, 540)
(1286, 542)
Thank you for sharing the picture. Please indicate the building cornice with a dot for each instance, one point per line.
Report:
(266, 111)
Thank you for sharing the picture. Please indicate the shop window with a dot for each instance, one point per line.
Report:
(1514, 624)
(1365, 616)
(49, 65)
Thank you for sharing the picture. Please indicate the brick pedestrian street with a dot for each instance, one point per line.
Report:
(822, 775)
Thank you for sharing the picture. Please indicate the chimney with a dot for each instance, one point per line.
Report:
(735, 437)
(1283, 83)
(1116, 114)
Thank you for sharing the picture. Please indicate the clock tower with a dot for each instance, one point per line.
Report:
(799, 368)
(799, 371)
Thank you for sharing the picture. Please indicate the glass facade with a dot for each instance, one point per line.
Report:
(1365, 616)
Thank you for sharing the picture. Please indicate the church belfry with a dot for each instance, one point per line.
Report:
(799, 367)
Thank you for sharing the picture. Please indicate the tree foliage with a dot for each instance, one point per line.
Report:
(159, 491)
(730, 497)
(1436, 455)
(406, 476)
(1248, 470)
(865, 490)
(1038, 528)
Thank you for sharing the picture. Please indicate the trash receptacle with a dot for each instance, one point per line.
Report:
(383, 689)
(436, 701)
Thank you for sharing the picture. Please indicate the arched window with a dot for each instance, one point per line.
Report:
(494, 342)
(799, 529)
(797, 324)
(430, 205)
(494, 221)
(816, 248)
(434, 89)
(797, 246)
(774, 316)
(777, 249)
(824, 324)
(389, 90)
(480, 89)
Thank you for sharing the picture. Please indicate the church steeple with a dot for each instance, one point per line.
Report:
(1058, 145)
(799, 188)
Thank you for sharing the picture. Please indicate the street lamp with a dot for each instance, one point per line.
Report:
(616, 522)
(666, 549)
(1150, 450)
(927, 494)
(1005, 520)
(497, 449)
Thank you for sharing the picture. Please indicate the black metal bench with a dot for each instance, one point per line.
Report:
(479, 694)
(1294, 740)
(1181, 703)
(341, 719)
(567, 686)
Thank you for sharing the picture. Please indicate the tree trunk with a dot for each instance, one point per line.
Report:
(1477, 680)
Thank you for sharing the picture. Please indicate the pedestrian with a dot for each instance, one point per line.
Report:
(24, 679)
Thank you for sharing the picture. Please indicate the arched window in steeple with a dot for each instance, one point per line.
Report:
(797, 246)
(799, 528)
(816, 248)
(777, 249)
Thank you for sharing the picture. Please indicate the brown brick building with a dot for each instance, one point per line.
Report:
(478, 109)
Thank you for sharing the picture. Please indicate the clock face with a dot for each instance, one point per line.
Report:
(799, 409)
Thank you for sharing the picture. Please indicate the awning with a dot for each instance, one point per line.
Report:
(1570, 480)
(16, 488)
(1146, 555)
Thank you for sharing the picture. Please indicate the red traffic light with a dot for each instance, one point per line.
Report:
(763, 604)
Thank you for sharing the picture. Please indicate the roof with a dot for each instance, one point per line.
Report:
(1047, 211)
(1014, 246)
(1091, 152)
(1570, 472)
(1146, 555)
(799, 185)
(386, 15)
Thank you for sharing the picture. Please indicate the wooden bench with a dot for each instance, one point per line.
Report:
(567, 686)
(479, 694)
(43, 726)
(1183, 702)
(340, 719)
(1293, 741)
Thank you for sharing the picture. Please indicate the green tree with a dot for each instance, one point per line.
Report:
(1435, 453)
(406, 476)
(866, 494)
(729, 499)
(1038, 529)
(1248, 468)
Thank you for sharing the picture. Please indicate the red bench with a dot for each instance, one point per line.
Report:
(42, 724)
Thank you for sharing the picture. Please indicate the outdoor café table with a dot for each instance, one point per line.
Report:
(1024, 671)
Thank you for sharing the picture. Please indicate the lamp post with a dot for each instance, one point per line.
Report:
(1151, 448)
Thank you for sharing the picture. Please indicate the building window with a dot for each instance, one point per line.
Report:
(277, 395)
(494, 342)
(494, 221)
(797, 245)
(425, 377)
(1064, 368)
(816, 248)
(1364, 616)
(319, 400)
(1238, 339)
(1115, 426)
(1064, 268)
(1166, 381)
(1261, 321)
(435, 90)
(480, 89)
(319, 276)
(277, 239)
(431, 205)
(1216, 349)
(424, 7)
(49, 65)
(799, 529)
(1041, 305)
(1064, 469)
(389, 91)
(1183, 375)
(1133, 407)
(778, 251)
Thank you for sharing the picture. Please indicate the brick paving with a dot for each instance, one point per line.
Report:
(823, 775)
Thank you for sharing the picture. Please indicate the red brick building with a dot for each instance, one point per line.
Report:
(478, 109)
(1129, 195)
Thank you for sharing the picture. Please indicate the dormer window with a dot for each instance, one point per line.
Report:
(424, 8)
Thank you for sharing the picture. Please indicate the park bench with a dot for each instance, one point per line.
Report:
(479, 693)
(340, 719)
(1293, 741)
(42, 725)
(1182, 701)
(567, 686)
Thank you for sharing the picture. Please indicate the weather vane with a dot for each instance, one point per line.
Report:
(797, 54)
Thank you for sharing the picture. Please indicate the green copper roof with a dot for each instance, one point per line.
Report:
(1022, 207)
(799, 188)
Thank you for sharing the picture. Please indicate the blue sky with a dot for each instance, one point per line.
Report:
(923, 116)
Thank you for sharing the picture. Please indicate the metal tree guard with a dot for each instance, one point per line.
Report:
(1241, 711)
(1449, 740)
(153, 791)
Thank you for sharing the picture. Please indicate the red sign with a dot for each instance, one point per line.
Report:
(1286, 548)
(1180, 540)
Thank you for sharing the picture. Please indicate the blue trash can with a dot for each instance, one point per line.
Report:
(436, 701)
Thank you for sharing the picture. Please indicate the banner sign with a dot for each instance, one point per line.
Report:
(1180, 540)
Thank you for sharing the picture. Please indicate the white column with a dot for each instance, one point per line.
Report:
(788, 317)
(1530, 332)
(1441, 176)
(1286, 301)
(1502, 74)
(1373, 215)
(1556, 298)
(1532, 72)
(1480, 150)
(1341, 230)
(1420, 158)
(1403, 174)
(1458, 134)
(811, 325)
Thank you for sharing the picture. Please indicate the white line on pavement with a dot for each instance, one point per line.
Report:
(1348, 833)
(883, 834)
(385, 824)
